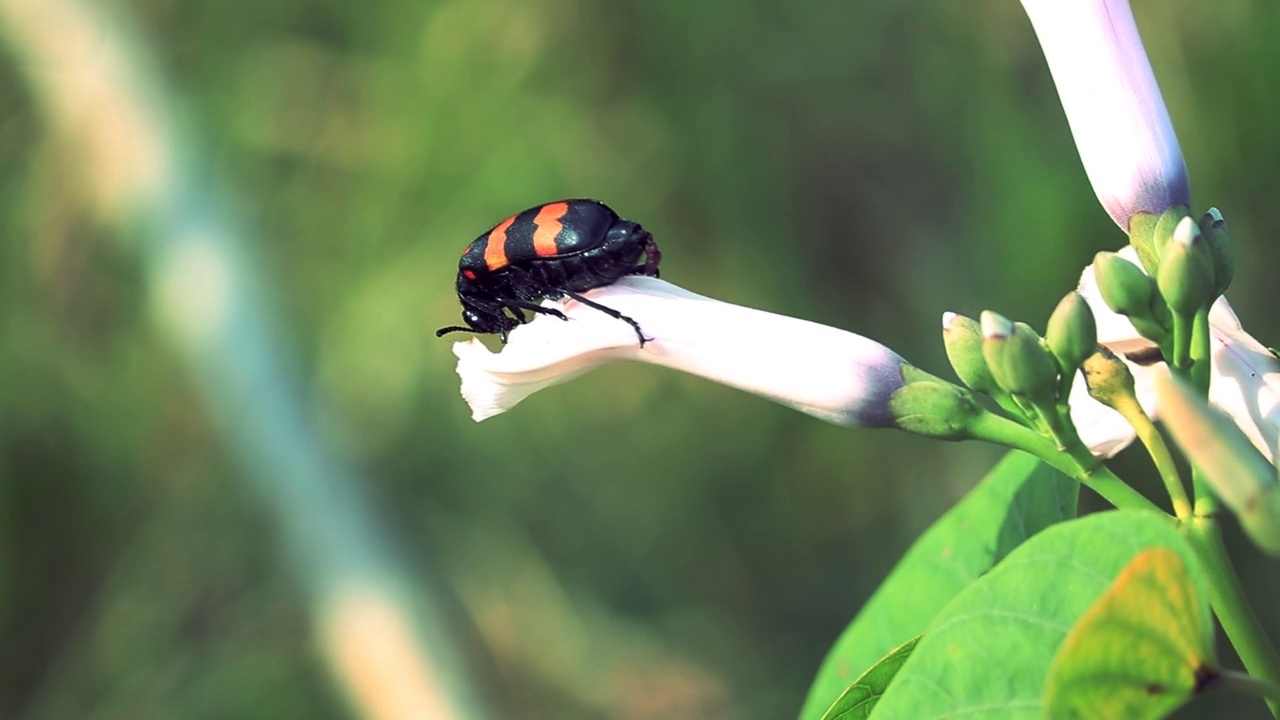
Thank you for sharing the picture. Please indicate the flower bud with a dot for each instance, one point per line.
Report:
(996, 331)
(932, 407)
(1124, 287)
(1130, 292)
(1244, 374)
(1072, 334)
(1019, 361)
(1214, 229)
(1186, 273)
(962, 337)
(1108, 379)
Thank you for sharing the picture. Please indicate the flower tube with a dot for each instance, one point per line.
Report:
(831, 374)
(1113, 105)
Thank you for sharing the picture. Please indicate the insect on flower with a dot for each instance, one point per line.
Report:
(549, 251)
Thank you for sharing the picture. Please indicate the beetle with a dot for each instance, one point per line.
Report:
(549, 251)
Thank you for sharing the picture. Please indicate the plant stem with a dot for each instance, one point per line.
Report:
(1182, 331)
(1226, 595)
(1200, 350)
(1096, 476)
(1233, 681)
(1163, 460)
(1206, 501)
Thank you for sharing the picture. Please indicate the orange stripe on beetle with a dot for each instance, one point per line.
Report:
(495, 251)
(548, 227)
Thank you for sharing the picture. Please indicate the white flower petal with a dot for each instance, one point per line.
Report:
(1113, 105)
(1245, 382)
(831, 374)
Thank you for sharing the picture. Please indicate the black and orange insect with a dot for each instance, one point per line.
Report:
(549, 251)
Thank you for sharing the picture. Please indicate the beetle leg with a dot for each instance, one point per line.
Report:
(610, 312)
(533, 307)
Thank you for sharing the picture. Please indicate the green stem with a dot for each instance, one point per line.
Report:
(1233, 681)
(1007, 403)
(1183, 327)
(1163, 460)
(1003, 431)
(1226, 595)
(1200, 351)
(1206, 501)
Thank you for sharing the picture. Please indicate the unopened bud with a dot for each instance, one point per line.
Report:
(1186, 277)
(962, 337)
(1108, 379)
(996, 331)
(1072, 334)
(1130, 292)
(929, 406)
(1214, 229)
(1032, 367)
(1019, 361)
(1124, 287)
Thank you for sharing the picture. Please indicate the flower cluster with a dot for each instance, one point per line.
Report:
(1091, 384)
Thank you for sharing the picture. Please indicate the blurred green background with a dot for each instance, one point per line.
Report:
(637, 543)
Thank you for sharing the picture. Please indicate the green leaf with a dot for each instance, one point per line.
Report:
(1018, 498)
(987, 653)
(1143, 649)
(860, 697)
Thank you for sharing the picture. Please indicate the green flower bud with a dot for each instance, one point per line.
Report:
(929, 406)
(1124, 287)
(1072, 334)
(962, 337)
(1186, 277)
(1214, 229)
(996, 331)
(1130, 292)
(1019, 361)
(1236, 471)
(1032, 368)
(1109, 380)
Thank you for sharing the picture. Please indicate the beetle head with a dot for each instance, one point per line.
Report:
(482, 320)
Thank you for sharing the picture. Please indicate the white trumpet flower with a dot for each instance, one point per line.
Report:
(831, 374)
(1113, 105)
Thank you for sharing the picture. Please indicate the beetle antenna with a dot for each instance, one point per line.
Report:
(452, 329)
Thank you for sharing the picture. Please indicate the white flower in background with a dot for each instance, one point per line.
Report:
(831, 374)
(1244, 375)
(1113, 105)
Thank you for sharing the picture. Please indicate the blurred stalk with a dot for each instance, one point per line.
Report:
(381, 636)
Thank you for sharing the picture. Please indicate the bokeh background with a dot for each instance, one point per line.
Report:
(637, 543)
